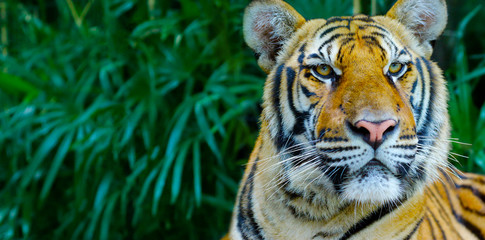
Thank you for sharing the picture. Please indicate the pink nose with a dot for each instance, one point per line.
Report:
(375, 130)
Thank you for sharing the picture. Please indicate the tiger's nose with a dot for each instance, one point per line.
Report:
(373, 132)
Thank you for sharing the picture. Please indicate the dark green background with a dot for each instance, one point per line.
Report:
(130, 119)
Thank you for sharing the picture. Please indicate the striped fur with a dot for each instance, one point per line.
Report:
(314, 173)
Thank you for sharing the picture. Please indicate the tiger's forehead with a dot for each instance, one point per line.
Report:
(357, 36)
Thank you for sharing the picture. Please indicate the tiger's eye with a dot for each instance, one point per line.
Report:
(324, 70)
(395, 67)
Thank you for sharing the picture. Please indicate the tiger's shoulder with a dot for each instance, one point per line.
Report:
(455, 207)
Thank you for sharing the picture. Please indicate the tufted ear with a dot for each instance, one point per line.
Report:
(267, 25)
(426, 18)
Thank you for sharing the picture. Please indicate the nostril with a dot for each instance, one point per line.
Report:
(373, 132)
(386, 127)
(363, 132)
(388, 130)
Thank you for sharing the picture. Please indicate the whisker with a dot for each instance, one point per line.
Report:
(452, 140)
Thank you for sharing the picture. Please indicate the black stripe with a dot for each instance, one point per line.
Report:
(370, 39)
(419, 110)
(314, 55)
(477, 194)
(414, 230)
(363, 19)
(322, 234)
(391, 44)
(291, 193)
(431, 228)
(415, 84)
(338, 149)
(374, 26)
(382, 35)
(346, 41)
(402, 53)
(246, 223)
(439, 227)
(334, 139)
(473, 190)
(300, 117)
(351, 49)
(420, 172)
(334, 37)
(302, 53)
(441, 211)
(339, 59)
(331, 29)
(403, 169)
(337, 19)
(280, 139)
(337, 176)
(427, 130)
(305, 91)
(470, 226)
(372, 218)
(405, 146)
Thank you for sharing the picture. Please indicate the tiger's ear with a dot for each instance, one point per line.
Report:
(267, 25)
(426, 18)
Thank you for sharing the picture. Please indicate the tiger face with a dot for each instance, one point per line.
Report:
(349, 101)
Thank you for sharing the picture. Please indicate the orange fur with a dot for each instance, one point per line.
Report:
(315, 173)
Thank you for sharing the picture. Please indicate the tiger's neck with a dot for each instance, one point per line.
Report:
(285, 212)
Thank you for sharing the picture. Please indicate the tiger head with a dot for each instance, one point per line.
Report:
(353, 105)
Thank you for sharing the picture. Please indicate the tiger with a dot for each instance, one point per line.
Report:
(354, 131)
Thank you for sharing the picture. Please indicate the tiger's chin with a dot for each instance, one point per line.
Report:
(374, 185)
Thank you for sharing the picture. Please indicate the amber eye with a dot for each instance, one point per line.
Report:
(323, 71)
(395, 68)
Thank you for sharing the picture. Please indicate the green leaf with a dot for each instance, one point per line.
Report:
(197, 174)
(98, 205)
(132, 123)
(220, 203)
(206, 131)
(48, 144)
(160, 183)
(16, 85)
(139, 203)
(164, 26)
(56, 164)
(464, 22)
(177, 132)
(107, 215)
(177, 171)
(469, 76)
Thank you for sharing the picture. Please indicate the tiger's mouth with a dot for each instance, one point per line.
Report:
(374, 162)
(396, 169)
(374, 183)
(373, 168)
(357, 179)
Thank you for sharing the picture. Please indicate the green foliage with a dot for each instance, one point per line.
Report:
(467, 119)
(133, 119)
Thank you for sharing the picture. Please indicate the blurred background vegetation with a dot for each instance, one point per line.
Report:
(124, 119)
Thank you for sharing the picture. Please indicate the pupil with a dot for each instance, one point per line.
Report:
(324, 70)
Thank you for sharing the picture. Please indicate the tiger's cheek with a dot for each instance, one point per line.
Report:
(330, 123)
